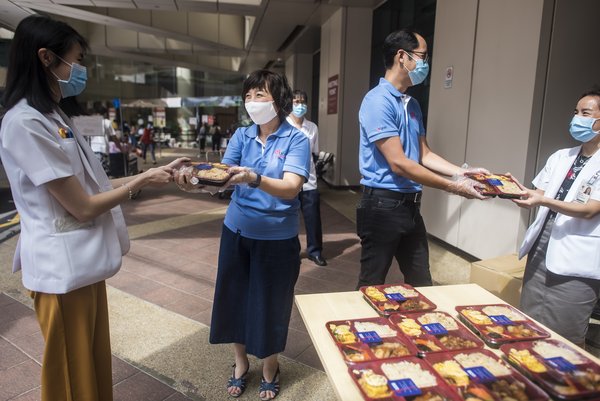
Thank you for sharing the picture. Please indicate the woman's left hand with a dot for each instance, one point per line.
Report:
(240, 175)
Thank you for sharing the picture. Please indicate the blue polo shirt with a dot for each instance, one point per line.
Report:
(253, 212)
(386, 112)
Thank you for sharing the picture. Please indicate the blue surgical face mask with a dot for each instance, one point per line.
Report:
(76, 82)
(299, 110)
(420, 72)
(581, 128)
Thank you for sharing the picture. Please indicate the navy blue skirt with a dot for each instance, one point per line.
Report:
(254, 292)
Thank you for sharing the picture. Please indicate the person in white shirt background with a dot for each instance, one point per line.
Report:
(561, 284)
(73, 233)
(309, 196)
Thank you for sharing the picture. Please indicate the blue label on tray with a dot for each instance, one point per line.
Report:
(435, 329)
(561, 364)
(501, 320)
(369, 337)
(395, 296)
(404, 387)
(203, 166)
(495, 182)
(480, 374)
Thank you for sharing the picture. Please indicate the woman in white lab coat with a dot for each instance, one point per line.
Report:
(72, 229)
(562, 276)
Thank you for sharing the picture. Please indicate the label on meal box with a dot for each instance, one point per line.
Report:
(480, 374)
(561, 364)
(404, 387)
(368, 337)
(396, 296)
(435, 329)
(501, 320)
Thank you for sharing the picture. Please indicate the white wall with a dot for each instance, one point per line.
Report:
(346, 52)
(498, 111)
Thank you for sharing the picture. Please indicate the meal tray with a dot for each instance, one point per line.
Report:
(399, 298)
(559, 369)
(412, 379)
(482, 375)
(499, 185)
(435, 332)
(360, 346)
(499, 324)
(200, 167)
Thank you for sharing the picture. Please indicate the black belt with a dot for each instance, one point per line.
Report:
(414, 197)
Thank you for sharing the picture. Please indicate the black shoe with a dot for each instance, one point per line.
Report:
(318, 260)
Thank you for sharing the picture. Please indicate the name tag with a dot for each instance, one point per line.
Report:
(583, 194)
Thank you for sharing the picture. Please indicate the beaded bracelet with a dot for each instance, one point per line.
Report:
(129, 191)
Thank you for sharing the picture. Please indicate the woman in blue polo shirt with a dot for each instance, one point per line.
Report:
(259, 257)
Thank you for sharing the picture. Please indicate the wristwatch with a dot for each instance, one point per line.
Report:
(255, 183)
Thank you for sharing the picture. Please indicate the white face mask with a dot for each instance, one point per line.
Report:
(261, 112)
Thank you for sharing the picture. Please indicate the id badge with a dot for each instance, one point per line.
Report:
(583, 194)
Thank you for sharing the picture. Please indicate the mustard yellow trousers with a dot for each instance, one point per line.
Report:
(77, 357)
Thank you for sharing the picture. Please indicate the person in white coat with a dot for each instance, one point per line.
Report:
(561, 284)
(73, 234)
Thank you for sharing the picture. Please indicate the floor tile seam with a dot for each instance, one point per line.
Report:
(24, 393)
(154, 262)
(20, 349)
(158, 226)
(204, 281)
(168, 311)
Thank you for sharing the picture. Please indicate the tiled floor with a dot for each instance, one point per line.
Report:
(21, 349)
(172, 263)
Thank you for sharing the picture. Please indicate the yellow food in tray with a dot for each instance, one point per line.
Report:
(410, 327)
(524, 358)
(375, 294)
(342, 333)
(374, 385)
(452, 372)
(476, 316)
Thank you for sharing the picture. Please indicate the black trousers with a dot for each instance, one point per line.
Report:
(391, 227)
(311, 211)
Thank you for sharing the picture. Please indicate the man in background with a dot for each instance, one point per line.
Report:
(309, 196)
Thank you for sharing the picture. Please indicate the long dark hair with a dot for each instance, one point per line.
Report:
(26, 76)
(276, 84)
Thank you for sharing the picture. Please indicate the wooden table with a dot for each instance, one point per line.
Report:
(317, 309)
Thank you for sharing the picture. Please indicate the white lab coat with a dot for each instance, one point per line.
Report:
(57, 253)
(574, 245)
(311, 130)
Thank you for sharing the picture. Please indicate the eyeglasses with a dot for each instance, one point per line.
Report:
(422, 55)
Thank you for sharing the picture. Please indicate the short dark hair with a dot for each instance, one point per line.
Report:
(405, 39)
(26, 76)
(595, 92)
(276, 84)
(300, 93)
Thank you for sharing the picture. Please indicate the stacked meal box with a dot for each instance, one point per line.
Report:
(414, 353)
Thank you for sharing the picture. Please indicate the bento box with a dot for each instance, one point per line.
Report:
(559, 369)
(406, 379)
(396, 298)
(195, 176)
(435, 332)
(480, 375)
(499, 324)
(369, 339)
(499, 185)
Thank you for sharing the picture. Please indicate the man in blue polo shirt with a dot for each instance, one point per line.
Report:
(395, 162)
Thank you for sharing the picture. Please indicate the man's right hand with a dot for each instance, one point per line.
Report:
(466, 188)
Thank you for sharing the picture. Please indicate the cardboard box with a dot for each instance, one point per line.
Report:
(502, 276)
